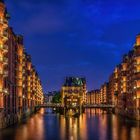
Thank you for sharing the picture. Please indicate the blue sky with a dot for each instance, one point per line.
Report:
(75, 37)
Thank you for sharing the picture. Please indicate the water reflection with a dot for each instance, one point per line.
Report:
(73, 128)
(94, 124)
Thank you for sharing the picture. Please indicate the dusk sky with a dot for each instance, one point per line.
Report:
(85, 38)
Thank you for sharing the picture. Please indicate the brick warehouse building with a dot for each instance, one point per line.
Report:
(20, 86)
(74, 91)
(123, 88)
(127, 93)
(93, 97)
(100, 96)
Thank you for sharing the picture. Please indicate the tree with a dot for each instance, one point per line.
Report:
(57, 98)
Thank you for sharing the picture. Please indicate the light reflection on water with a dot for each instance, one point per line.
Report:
(94, 124)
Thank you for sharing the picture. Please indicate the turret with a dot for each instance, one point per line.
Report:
(138, 40)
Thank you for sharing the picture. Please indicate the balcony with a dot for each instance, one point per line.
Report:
(5, 73)
(19, 78)
(5, 34)
(1, 91)
(3, 39)
(4, 91)
(1, 46)
(5, 48)
(136, 63)
(137, 75)
(135, 71)
(1, 59)
(1, 21)
(137, 88)
(5, 21)
(5, 60)
(23, 71)
(138, 95)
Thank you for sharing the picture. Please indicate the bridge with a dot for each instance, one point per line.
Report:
(58, 105)
(51, 105)
(98, 106)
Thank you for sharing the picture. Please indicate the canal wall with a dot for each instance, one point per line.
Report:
(128, 113)
(7, 120)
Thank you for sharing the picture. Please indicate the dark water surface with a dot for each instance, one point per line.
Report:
(94, 124)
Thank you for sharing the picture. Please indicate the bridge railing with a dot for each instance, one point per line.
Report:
(99, 105)
(85, 105)
(51, 105)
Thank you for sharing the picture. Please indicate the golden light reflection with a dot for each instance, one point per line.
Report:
(115, 127)
(93, 124)
(102, 126)
(33, 129)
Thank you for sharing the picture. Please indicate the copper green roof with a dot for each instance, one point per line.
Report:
(74, 81)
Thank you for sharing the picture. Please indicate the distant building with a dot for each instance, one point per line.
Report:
(93, 97)
(74, 91)
(99, 96)
(48, 98)
(104, 94)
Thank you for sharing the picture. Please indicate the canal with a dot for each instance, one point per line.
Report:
(94, 124)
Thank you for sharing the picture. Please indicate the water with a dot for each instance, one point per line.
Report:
(94, 124)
